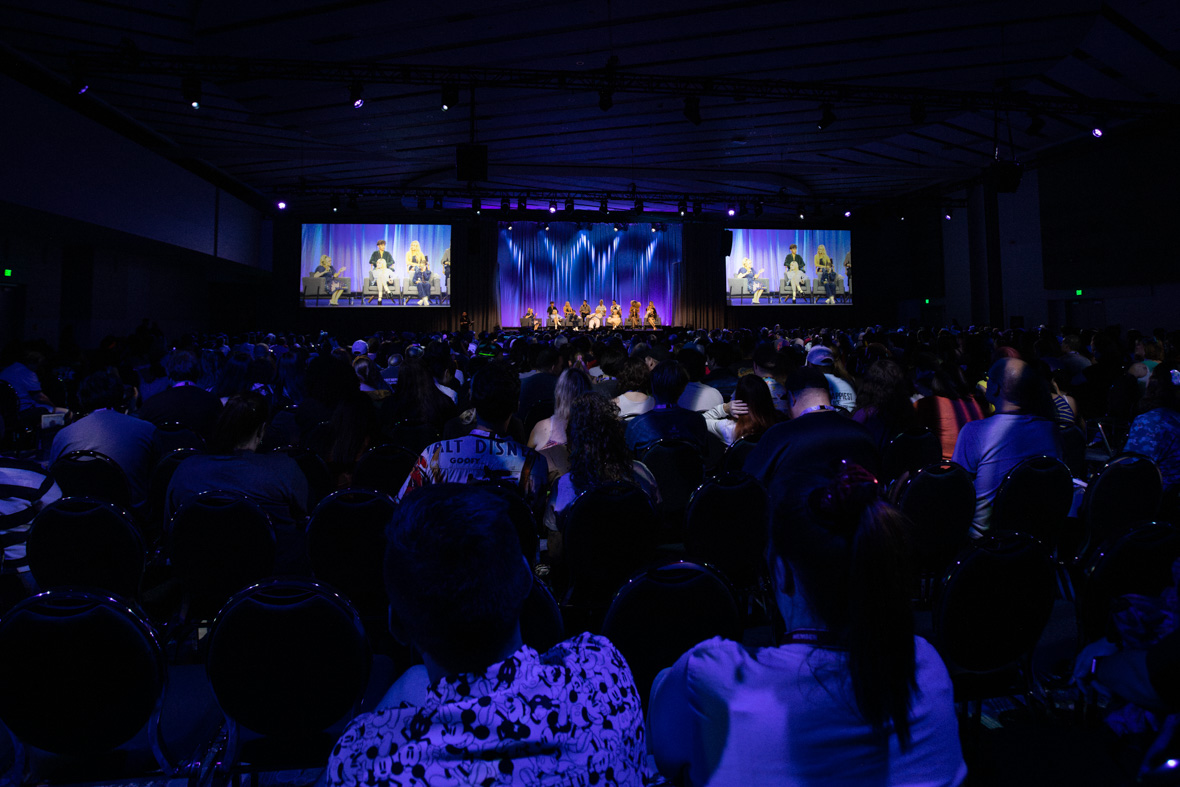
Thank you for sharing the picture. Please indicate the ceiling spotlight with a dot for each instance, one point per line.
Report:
(732, 210)
(505, 203)
(847, 214)
(546, 226)
(682, 207)
(606, 100)
(918, 112)
(569, 204)
(826, 118)
(743, 209)
(450, 97)
(617, 226)
(190, 88)
(602, 205)
(438, 203)
(758, 208)
(552, 206)
(475, 204)
(522, 203)
(639, 206)
(801, 216)
(79, 83)
(510, 225)
(1036, 124)
(653, 228)
(692, 110)
(947, 215)
(334, 201)
(1096, 131)
(281, 205)
(697, 208)
(355, 91)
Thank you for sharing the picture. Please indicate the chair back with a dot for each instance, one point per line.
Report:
(346, 545)
(161, 478)
(541, 624)
(662, 612)
(414, 436)
(85, 672)
(220, 542)
(940, 503)
(1126, 491)
(679, 469)
(910, 451)
(92, 474)
(1073, 448)
(734, 458)
(315, 470)
(1138, 560)
(524, 519)
(384, 468)
(287, 658)
(994, 603)
(15, 435)
(86, 543)
(172, 435)
(609, 534)
(726, 526)
(1034, 498)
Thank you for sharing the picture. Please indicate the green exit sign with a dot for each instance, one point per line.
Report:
(7, 272)
(1077, 292)
(927, 301)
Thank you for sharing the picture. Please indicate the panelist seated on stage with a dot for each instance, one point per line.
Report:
(554, 315)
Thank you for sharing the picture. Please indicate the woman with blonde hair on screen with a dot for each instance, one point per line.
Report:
(827, 272)
(415, 259)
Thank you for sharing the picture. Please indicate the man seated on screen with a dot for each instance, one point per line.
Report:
(483, 708)
(381, 254)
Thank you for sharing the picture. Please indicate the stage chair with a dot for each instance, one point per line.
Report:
(737, 287)
(841, 293)
(313, 287)
(805, 291)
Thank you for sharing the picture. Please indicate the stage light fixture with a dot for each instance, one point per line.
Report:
(450, 97)
(758, 208)
(606, 100)
(355, 94)
(949, 213)
(546, 226)
(1036, 124)
(438, 203)
(281, 205)
(731, 210)
(847, 214)
(510, 226)
(743, 209)
(697, 208)
(682, 207)
(569, 204)
(334, 201)
(522, 203)
(190, 88)
(639, 206)
(602, 206)
(692, 109)
(918, 112)
(826, 118)
(618, 226)
(801, 215)
(505, 203)
(653, 228)
(552, 206)
(1096, 132)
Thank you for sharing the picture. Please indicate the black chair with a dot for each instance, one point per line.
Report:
(537, 413)
(384, 468)
(1170, 505)
(315, 470)
(86, 543)
(910, 451)
(1138, 560)
(989, 613)
(92, 474)
(1127, 491)
(1035, 498)
(87, 689)
(541, 624)
(346, 545)
(726, 526)
(288, 662)
(940, 503)
(412, 435)
(524, 519)
(220, 542)
(1073, 448)
(734, 458)
(661, 613)
(172, 435)
(609, 535)
(679, 469)
(16, 437)
(158, 488)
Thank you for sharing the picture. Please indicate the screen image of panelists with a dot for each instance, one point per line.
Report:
(355, 265)
(583, 271)
(789, 266)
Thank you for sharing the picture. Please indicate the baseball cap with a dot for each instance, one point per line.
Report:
(820, 356)
(360, 347)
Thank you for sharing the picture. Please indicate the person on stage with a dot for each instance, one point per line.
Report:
(585, 311)
(568, 313)
(616, 316)
(446, 265)
(415, 259)
(848, 271)
(652, 318)
(380, 254)
(383, 278)
(596, 320)
(795, 257)
(795, 279)
(530, 319)
(633, 315)
(422, 281)
(331, 277)
(747, 272)
(554, 315)
(827, 272)
(464, 322)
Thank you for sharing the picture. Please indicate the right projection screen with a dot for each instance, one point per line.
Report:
(789, 266)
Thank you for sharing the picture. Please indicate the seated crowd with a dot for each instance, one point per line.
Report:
(840, 687)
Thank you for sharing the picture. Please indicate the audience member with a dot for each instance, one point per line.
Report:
(129, 441)
(842, 392)
(884, 405)
(747, 415)
(667, 420)
(549, 435)
(851, 696)
(635, 385)
(539, 385)
(25, 489)
(26, 384)
(351, 431)
(1022, 427)
(947, 407)
(484, 708)
(184, 402)
(1156, 433)
(769, 365)
(697, 396)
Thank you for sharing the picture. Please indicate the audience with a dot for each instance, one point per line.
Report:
(549, 435)
(697, 396)
(485, 708)
(884, 405)
(667, 420)
(1156, 433)
(747, 416)
(184, 402)
(635, 384)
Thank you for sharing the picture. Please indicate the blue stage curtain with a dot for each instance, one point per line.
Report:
(768, 248)
(566, 263)
(351, 245)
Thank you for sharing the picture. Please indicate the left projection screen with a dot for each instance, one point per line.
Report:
(354, 265)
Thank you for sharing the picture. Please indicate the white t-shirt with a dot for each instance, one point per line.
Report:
(699, 397)
(842, 393)
(786, 716)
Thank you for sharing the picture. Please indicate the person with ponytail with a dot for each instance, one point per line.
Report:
(850, 696)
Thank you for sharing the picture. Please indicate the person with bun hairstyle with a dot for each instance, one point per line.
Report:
(850, 695)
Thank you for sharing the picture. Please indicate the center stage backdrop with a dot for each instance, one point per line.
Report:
(568, 263)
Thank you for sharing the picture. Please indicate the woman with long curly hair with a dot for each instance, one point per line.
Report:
(598, 455)
(748, 414)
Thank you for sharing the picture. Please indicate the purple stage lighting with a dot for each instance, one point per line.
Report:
(282, 205)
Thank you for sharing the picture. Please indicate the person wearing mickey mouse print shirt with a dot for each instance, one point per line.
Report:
(484, 708)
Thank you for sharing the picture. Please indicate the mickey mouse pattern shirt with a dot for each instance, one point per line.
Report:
(569, 717)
